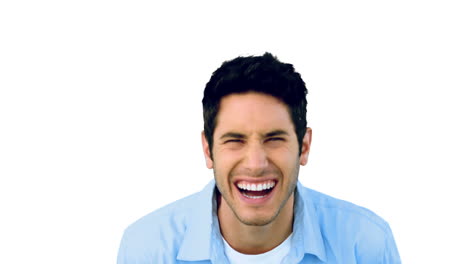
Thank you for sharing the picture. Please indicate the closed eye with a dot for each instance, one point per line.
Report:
(233, 141)
(275, 139)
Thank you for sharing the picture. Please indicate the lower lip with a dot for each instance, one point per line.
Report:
(256, 201)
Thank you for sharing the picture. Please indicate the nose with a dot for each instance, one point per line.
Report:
(256, 159)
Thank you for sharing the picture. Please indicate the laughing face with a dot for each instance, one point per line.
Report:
(255, 156)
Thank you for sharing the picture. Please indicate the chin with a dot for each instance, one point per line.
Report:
(256, 222)
(255, 219)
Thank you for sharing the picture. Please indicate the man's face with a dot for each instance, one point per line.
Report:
(255, 156)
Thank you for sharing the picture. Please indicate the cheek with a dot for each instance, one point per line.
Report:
(226, 159)
(223, 167)
(286, 163)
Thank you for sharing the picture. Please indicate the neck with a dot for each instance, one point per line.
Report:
(248, 239)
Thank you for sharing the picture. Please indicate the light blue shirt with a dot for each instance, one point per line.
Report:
(325, 230)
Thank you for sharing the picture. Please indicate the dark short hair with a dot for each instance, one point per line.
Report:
(263, 74)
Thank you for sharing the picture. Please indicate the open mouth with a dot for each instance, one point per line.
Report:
(256, 190)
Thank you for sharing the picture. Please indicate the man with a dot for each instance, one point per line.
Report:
(255, 211)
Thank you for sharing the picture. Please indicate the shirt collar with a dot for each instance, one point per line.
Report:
(196, 242)
(202, 225)
(307, 237)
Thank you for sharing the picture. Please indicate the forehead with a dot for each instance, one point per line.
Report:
(252, 112)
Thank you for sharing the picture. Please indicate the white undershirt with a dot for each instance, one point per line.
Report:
(274, 256)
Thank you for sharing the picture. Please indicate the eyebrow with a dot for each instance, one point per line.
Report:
(237, 135)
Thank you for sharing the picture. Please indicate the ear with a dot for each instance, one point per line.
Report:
(206, 151)
(306, 141)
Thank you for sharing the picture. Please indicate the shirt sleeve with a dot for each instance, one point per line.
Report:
(391, 255)
(376, 245)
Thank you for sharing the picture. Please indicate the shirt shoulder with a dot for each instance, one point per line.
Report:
(352, 230)
(329, 206)
(157, 235)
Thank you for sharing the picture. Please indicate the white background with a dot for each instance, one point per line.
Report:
(100, 114)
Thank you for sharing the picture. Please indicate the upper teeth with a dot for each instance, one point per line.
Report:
(256, 187)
